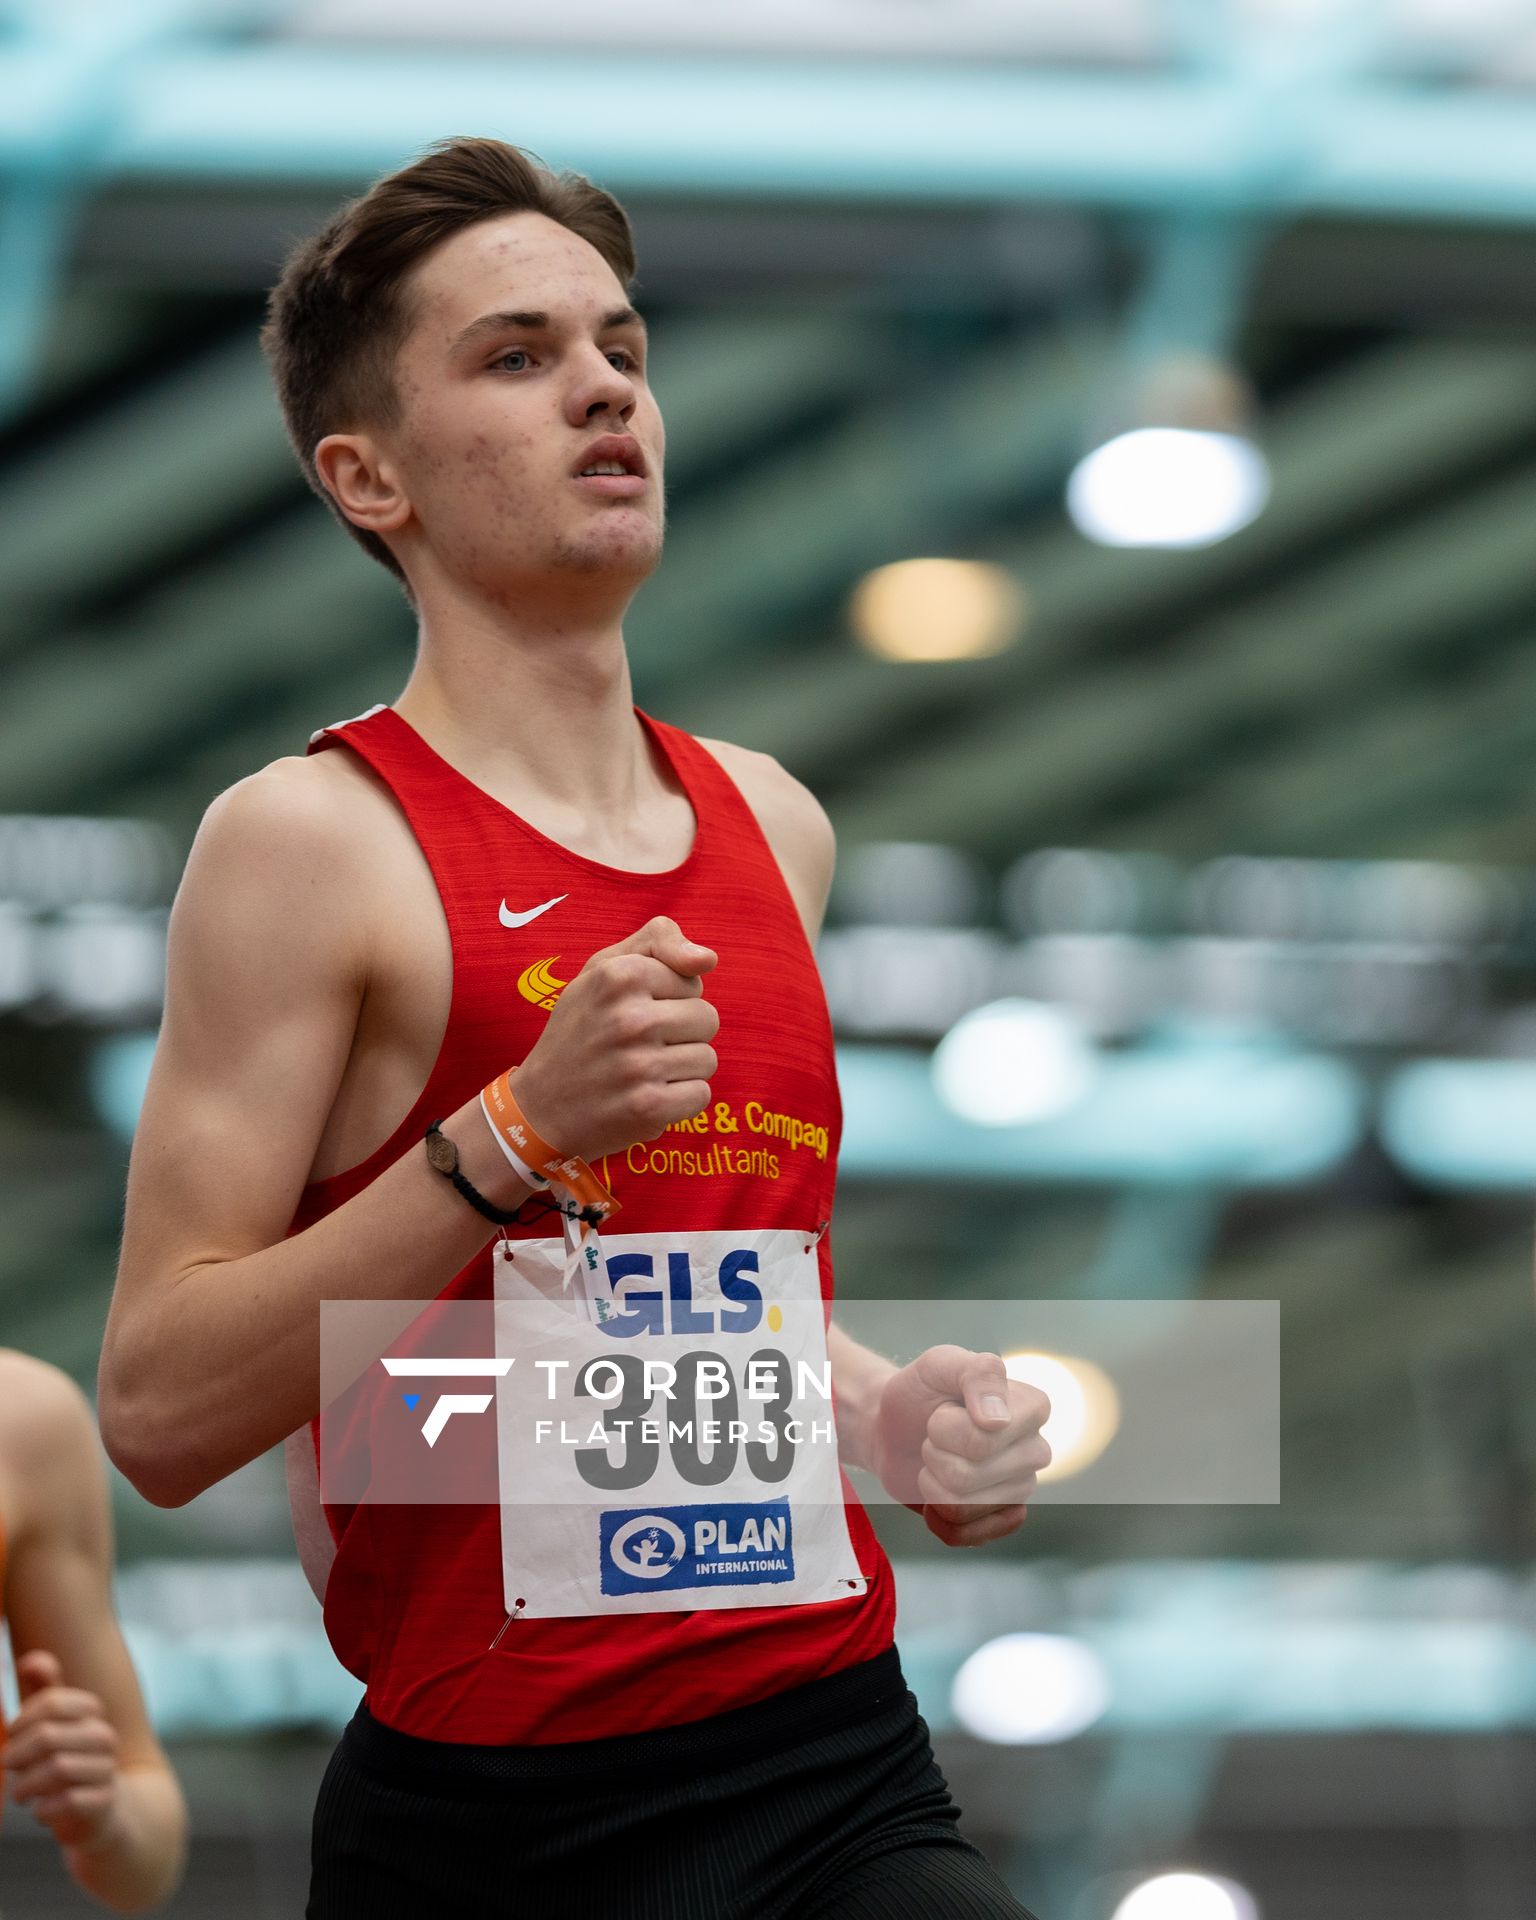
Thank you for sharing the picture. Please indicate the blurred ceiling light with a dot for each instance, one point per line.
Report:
(1187, 1896)
(1168, 487)
(937, 610)
(1085, 1408)
(1183, 471)
(1030, 1689)
(1012, 1062)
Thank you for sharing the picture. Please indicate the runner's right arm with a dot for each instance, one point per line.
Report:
(81, 1753)
(211, 1353)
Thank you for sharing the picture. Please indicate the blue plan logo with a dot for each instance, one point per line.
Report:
(654, 1549)
(648, 1547)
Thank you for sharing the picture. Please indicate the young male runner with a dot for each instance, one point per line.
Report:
(511, 868)
(79, 1753)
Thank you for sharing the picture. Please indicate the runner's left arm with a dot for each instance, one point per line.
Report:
(956, 1440)
(796, 827)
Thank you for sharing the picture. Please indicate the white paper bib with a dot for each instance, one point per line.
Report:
(668, 1442)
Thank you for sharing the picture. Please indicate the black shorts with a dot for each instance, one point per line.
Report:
(821, 1803)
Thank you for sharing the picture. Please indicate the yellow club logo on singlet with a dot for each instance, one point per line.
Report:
(538, 984)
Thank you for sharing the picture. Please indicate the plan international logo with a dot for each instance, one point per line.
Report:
(733, 1543)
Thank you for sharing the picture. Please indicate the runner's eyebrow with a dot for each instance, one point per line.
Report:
(536, 322)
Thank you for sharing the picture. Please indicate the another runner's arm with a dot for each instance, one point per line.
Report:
(81, 1751)
(796, 827)
(212, 1345)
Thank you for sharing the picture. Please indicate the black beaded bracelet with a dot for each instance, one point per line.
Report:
(443, 1158)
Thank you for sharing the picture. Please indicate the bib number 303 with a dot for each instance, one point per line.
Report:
(694, 1377)
(697, 1404)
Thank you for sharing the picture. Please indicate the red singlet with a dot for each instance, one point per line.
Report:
(414, 1598)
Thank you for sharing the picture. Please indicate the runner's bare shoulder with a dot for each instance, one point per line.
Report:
(279, 862)
(793, 820)
(45, 1421)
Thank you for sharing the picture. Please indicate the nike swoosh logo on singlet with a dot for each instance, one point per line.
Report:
(510, 919)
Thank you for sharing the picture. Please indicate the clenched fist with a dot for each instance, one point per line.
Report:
(61, 1754)
(627, 1048)
(959, 1442)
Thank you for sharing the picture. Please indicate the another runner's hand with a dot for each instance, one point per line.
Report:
(959, 1442)
(61, 1754)
(627, 1049)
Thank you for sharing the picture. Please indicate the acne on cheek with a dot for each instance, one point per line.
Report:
(483, 451)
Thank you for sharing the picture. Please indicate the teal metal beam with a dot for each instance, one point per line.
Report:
(61, 78)
(808, 128)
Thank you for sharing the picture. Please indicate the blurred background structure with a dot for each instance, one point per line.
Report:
(1103, 466)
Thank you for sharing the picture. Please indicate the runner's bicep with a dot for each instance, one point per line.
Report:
(262, 998)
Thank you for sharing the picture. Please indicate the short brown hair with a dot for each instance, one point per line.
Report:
(337, 316)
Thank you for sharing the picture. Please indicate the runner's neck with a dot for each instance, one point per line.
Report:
(535, 715)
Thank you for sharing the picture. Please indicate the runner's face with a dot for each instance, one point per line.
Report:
(498, 415)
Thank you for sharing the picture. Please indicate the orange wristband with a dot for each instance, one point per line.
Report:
(563, 1170)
